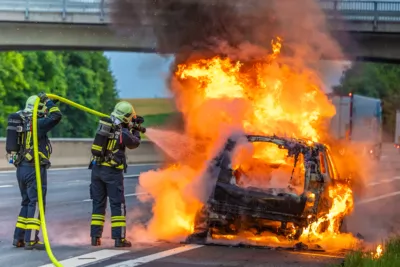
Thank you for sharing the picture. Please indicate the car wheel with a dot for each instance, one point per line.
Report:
(201, 228)
(298, 233)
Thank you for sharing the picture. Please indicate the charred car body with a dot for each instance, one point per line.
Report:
(286, 210)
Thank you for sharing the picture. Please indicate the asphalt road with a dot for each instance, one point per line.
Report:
(68, 221)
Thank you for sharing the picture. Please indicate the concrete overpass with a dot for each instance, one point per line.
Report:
(365, 29)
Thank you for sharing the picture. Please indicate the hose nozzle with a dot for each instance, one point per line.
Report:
(139, 128)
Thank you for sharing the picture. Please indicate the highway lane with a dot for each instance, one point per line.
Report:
(376, 212)
(68, 213)
(68, 219)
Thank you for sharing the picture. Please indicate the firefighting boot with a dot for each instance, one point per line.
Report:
(18, 243)
(122, 243)
(34, 245)
(96, 241)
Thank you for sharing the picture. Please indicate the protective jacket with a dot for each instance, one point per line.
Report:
(128, 138)
(45, 124)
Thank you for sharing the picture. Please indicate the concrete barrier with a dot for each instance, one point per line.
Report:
(76, 152)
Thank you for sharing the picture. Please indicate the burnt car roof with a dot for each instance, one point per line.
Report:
(286, 142)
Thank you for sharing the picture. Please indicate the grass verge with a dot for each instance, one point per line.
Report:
(152, 106)
(389, 258)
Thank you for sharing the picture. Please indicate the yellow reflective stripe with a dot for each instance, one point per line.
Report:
(28, 140)
(121, 166)
(21, 222)
(113, 218)
(22, 219)
(98, 216)
(32, 224)
(118, 224)
(41, 154)
(96, 147)
(111, 144)
(32, 227)
(20, 225)
(53, 109)
(94, 222)
(33, 220)
(118, 221)
(98, 219)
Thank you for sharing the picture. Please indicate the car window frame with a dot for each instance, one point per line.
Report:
(329, 157)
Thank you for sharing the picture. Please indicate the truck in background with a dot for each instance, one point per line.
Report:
(358, 120)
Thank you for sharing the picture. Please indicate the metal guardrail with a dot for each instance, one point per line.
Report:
(385, 11)
(63, 7)
(354, 10)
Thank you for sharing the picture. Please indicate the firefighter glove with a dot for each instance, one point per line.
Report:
(138, 120)
(136, 134)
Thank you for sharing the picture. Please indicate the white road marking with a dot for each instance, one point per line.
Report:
(384, 181)
(6, 185)
(136, 194)
(318, 254)
(153, 257)
(131, 175)
(373, 199)
(89, 258)
(127, 195)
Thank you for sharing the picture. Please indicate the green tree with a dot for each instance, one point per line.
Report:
(83, 77)
(13, 86)
(90, 83)
(375, 80)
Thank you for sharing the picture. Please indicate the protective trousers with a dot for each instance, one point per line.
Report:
(107, 181)
(28, 223)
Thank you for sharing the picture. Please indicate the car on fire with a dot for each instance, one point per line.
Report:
(284, 210)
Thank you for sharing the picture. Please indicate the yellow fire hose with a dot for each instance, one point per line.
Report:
(37, 167)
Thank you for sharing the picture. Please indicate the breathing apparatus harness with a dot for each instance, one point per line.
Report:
(19, 145)
(106, 143)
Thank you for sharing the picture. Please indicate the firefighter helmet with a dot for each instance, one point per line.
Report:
(124, 112)
(30, 102)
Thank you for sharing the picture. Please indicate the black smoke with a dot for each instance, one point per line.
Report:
(237, 28)
(186, 26)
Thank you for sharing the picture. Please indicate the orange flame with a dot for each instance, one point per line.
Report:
(217, 95)
(342, 203)
(378, 253)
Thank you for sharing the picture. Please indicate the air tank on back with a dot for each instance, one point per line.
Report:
(102, 136)
(15, 125)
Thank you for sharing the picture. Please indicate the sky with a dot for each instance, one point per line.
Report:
(142, 75)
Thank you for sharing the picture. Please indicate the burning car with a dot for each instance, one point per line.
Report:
(287, 196)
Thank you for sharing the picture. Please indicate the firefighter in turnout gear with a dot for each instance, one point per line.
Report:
(108, 163)
(28, 223)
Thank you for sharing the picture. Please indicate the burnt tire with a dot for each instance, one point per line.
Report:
(197, 238)
(298, 233)
(201, 228)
